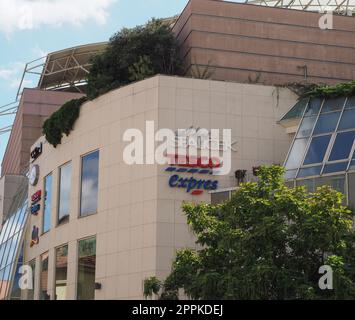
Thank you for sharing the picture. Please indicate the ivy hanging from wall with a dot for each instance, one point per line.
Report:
(62, 121)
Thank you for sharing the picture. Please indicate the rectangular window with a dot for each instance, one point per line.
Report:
(327, 123)
(342, 146)
(308, 172)
(296, 155)
(306, 127)
(333, 104)
(64, 193)
(86, 269)
(89, 183)
(30, 292)
(313, 107)
(61, 272)
(43, 293)
(317, 150)
(220, 197)
(335, 167)
(47, 203)
(347, 120)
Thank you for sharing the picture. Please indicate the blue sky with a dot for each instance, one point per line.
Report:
(59, 24)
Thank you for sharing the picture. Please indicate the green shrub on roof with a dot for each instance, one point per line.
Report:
(62, 121)
(326, 91)
(133, 55)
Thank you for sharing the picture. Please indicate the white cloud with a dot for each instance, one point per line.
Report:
(30, 14)
(9, 72)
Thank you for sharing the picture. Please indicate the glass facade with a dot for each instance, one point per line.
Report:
(89, 183)
(64, 193)
(11, 239)
(324, 142)
(47, 212)
(61, 272)
(43, 294)
(86, 269)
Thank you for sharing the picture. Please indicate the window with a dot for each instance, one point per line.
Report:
(11, 241)
(335, 167)
(47, 203)
(61, 271)
(327, 123)
(86, 269)
(309, 184)
(350, 103)
(296, 154)
(43, 294)
(220, 197)
(313, 107)
(347, 120)
(342, 146)
(290, 174)
(333, 104)
(64, 193)
(308, 172)
(89, 183)
(306, 127)
(328, 148)
(317, 150)
(351, 188)
(30, 292)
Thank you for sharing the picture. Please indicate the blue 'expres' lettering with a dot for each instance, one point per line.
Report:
(192, 183)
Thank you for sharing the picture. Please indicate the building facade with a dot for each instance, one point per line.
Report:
(93, 227)
(106, 222)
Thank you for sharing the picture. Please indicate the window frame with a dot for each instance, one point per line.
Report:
(43, 204)
(55, 270)
(79, 216)
(65, 219)
(77, 262)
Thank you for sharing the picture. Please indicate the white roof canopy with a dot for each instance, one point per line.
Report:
(344, 7)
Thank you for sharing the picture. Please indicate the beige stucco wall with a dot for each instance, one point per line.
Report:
(139, 224)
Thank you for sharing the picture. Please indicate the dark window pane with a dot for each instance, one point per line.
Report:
(327, 123)
(347, 120)
(86, 269)
(44, 278)
(350, 103)
(317, 150)
(219, 197)
(308, 172)
(61, 270)
(89, 183)
(333, 104)
(64, 193)
(47, 212)
(296, 154)
(306, 127)
(335, 167)
(313, 107)
(342, 146)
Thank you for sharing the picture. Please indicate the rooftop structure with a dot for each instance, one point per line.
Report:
(343, 7)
